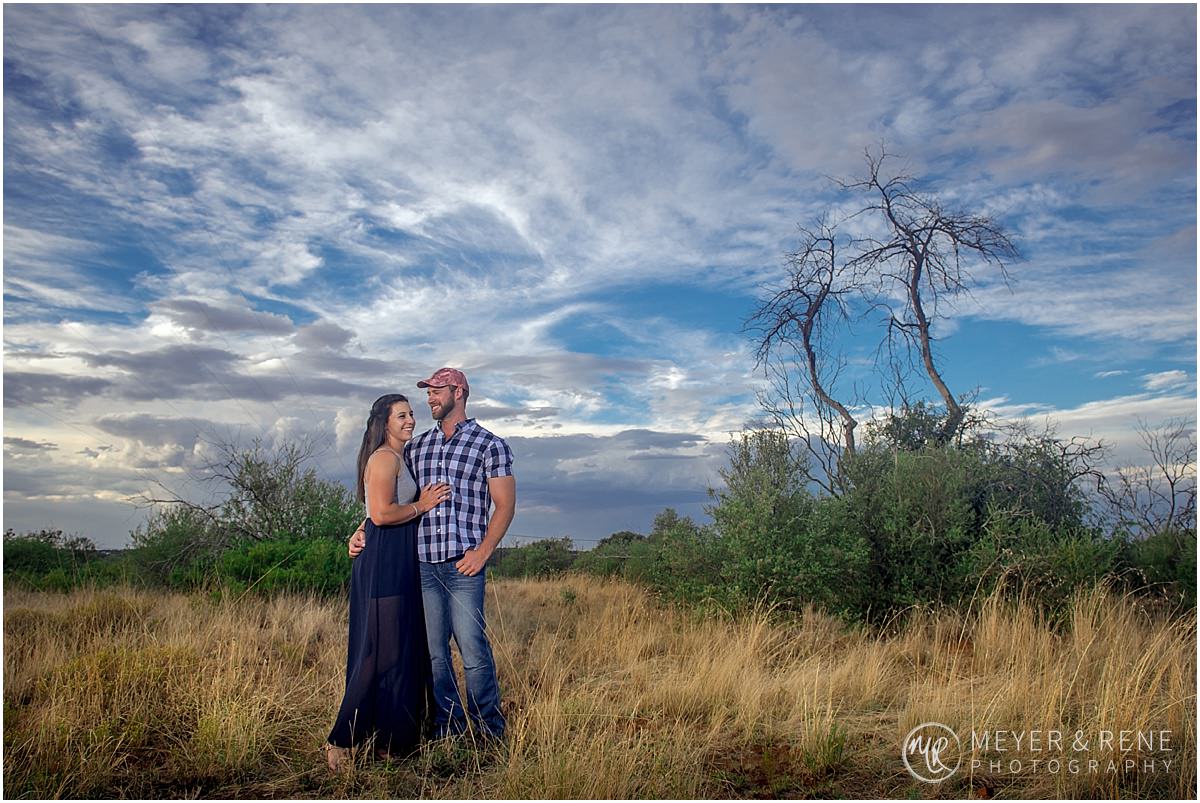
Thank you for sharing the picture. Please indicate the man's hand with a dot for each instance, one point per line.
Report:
(503, 491)
(358, 542)
(472, 562)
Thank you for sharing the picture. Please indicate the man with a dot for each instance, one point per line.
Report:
(454, 542)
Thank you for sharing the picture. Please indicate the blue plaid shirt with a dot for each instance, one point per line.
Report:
(466, 461)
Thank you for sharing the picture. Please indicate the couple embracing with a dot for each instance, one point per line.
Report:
(418, 574)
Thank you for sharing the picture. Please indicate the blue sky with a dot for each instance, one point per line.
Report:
(249, 221)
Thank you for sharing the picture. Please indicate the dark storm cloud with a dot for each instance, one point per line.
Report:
(323, 335)
(587, 486)
(107, 523)
(171, 373)
(323, 346)
(204, 373)
(485, 410)
(555, 370)
(556, 464)
(278, 388)
(25, 444)
(663, 456)
(25, 387)
(581, 498)
(60, 478)
(154, 430)
(626, 443)
(206, 317)
(644, 439)
(24, 480)
(343, 365)
(172, 364)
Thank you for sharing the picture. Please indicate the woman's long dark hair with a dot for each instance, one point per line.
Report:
(375, 436)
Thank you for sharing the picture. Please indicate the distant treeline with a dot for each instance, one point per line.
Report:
(917, 524)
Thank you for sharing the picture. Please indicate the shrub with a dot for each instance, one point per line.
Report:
(918, 514)
(680, 560)
(47, 559)
(176, 547)
(938, 517)
(778, 543)
(271, 499)
(1020, 553)
(29, 555)
(1166, 561)
(270, 494)
(539, 559)
(607, 558)
(318, 565)
(918, 522)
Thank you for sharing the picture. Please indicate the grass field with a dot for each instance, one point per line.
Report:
(123, 693)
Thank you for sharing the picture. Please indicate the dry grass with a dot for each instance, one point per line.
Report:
(609, 695)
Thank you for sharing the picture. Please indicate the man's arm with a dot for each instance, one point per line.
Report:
(503, 491)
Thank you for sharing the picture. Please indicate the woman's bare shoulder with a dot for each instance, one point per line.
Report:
(384, 455)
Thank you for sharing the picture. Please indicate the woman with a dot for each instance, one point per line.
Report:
(388, 684)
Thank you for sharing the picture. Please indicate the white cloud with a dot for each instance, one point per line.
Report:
(1165, 380)
(1124, 304)
(1115, 421)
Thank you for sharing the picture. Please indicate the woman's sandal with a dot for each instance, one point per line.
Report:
(338, 758)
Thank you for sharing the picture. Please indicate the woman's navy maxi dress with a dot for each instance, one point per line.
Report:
(389, 684)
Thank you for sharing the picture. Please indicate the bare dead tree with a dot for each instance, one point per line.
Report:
(922, 258)
(904, 277)
(792, 328)
(816, 430)
(1159, 496)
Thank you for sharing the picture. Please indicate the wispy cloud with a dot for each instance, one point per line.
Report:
(1169, 380)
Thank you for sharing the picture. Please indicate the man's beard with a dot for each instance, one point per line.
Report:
(446, 409)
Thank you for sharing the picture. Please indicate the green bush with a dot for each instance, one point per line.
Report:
(318, 565)
(777, 542)
(917, 523)
(679, 559)
(270, 494)
(607, 558)
(176, 547)
(1018, 552)
(917, 512)
(941, 520)
(543, 558)
(111, 570)
(46, 560)
(1166, 562)
(29, 556)
(271, 499)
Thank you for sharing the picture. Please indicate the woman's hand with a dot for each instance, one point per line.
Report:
(433, 495)
(357, 542)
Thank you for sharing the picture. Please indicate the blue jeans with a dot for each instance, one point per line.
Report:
(454, 606)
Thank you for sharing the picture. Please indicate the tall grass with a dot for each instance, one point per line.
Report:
(608, 695)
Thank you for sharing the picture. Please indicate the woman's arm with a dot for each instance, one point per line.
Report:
(380, 484)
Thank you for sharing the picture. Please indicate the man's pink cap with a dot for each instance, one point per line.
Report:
(444, 377)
